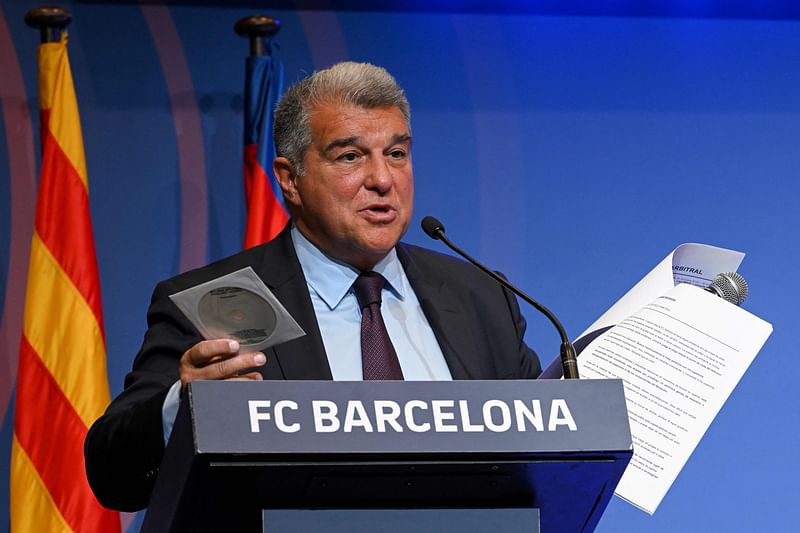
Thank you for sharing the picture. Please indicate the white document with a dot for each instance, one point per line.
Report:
(680, 354)
(238, 306)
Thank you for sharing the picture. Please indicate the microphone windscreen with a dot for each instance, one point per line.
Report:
(432, 227)
(730, 286)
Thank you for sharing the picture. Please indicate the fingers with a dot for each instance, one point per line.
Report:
(205, 352)
(218, 359)
(225, 368)
(250, 376)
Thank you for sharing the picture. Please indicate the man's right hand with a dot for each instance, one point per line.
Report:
(218, 359)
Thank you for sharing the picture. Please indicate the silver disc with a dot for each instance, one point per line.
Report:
(236, 313)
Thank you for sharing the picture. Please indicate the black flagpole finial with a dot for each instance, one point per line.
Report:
(50, 21)
(257, 28)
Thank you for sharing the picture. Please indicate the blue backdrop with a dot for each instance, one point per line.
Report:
(571, 152)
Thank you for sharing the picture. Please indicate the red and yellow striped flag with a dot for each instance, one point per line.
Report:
(62, 386)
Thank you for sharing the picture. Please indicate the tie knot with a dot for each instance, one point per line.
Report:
(368, 288)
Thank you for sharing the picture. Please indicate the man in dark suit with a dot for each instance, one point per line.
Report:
(344, 165)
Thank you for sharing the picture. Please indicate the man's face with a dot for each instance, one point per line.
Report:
(355, 200)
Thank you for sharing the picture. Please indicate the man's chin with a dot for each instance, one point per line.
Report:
(373, 250)
(383, 238)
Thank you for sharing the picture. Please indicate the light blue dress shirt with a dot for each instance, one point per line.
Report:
(339, 318)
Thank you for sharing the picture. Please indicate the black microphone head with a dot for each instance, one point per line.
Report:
(432, 227)
(730, 286)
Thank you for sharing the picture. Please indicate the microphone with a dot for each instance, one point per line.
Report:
(730, 286)
(435, 229)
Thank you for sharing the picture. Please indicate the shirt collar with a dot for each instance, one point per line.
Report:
(332, 279)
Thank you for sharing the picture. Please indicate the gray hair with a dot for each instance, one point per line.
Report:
(360, 84)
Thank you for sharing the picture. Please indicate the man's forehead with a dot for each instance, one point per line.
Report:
(348, 124)
(345, 107)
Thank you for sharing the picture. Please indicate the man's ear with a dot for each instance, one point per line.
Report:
(286, 179)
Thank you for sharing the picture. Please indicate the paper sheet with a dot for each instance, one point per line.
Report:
(680, 351)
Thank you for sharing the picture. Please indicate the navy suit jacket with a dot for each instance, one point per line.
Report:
(476, 322)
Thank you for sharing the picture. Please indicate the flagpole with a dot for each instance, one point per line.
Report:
(51, 21)
(266, 216)
(257, 28)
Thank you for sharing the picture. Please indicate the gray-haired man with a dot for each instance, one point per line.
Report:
(343, 140)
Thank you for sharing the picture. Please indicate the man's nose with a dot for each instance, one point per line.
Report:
(379, 177)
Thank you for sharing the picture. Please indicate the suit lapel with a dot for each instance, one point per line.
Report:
(443, 306)
(302, 358)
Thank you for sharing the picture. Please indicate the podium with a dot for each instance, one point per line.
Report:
(537, 455)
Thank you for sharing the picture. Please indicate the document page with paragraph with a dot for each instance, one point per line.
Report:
(680, 358)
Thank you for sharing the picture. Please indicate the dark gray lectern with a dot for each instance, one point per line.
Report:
(433, 448)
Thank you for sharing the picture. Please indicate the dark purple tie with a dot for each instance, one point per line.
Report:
(378, 358)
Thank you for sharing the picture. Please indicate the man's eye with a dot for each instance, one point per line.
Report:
(348, 157)
(397, 154)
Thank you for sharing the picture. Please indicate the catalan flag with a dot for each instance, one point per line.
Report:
(62, 386)
(266, 215)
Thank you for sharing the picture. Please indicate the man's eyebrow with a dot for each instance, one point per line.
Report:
(400, 138)
(346, 141)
